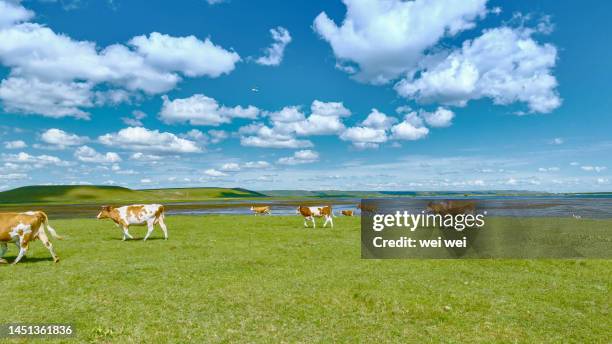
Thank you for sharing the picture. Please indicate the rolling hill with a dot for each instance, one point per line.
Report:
(83, 194)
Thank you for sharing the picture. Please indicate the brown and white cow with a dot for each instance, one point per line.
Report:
(261, 210)
(347, 212)
(22, 228)
(309, 213)
(136, 214)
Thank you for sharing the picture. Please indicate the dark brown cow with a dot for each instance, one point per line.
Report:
(347, 212)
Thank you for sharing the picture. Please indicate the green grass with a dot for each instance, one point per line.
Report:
(81, 194)
(267, 279)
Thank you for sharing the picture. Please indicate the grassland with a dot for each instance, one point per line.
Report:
(83, 194)
(266, 279)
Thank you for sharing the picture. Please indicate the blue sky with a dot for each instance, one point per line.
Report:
(354, 95)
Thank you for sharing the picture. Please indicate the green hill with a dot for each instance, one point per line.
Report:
(82, 194)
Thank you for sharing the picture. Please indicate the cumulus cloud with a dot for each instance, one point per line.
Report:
(217, 136)
(17, 144)
(290, 122)
(214, 173)
(88, 154)
(12, 13)
(139, 156)
(135, 120)
(504, 64)
(411, 128)
(62, 139)
(230, 167)
(378, 120)
(364, 137)
(33, 160)
(380, 40)
(256, 164)
(202, 110)
(556, 141)
(54, 99)
(187, 55)
(143, 139)
(258, 135)
(53, 75)
(300, 157)
(273, 55)
(438, 119)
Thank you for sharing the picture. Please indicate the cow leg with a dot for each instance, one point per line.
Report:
(126, 234)
(314, 224)
(23, 248)
(45, 240)
(163, 227)
(3, 249)
(305, 223)
(331, 221)
(326, 220)
(149, 231)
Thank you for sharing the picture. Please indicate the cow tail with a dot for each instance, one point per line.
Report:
(49, 228)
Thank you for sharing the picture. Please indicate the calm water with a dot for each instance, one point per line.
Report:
(543, 206)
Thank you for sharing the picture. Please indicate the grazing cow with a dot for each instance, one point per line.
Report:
(347, 212)
(366, 208)
(261, 210)
(22, 228)
(136, 214)
(309, 213)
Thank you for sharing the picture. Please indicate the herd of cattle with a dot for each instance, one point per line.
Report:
(23, 228)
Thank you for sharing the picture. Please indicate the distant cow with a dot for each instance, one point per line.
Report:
(22, 228)
(452, 207)
(347, 212)
(261, 210)
(366, 208)
(136, 214)
(309, 213)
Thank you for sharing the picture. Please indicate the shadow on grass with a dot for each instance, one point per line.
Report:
(26, 260)
(137, 239)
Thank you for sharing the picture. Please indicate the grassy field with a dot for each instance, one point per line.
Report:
(267, 279)
(82, 194)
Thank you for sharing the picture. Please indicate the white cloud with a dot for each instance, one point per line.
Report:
(138, 156)
(256, 164)
(215, 2)
(288, 114)
(410, 129)
(603, 181)
(504, 64)
(17, 144)
(53, 75)
(202, 110)
(329, 109)
(146, 181)
(557, 141)
(378, 120)
(574, 163)
(13, 176)
(300, 157)
(364, 137)
(187, 55)
(438, 119)
(230, 167)
(135, 120)
(593, 168)
(385, 39)
(214, 173)
(34, 160)
(548, 169)
(143, 139)
(88, 154)
(62, 139)
(217, 136)
(52, 99)
(274, 54)
(12, 13)
(257, 135)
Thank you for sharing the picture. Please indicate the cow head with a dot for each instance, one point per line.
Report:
(105, 212)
